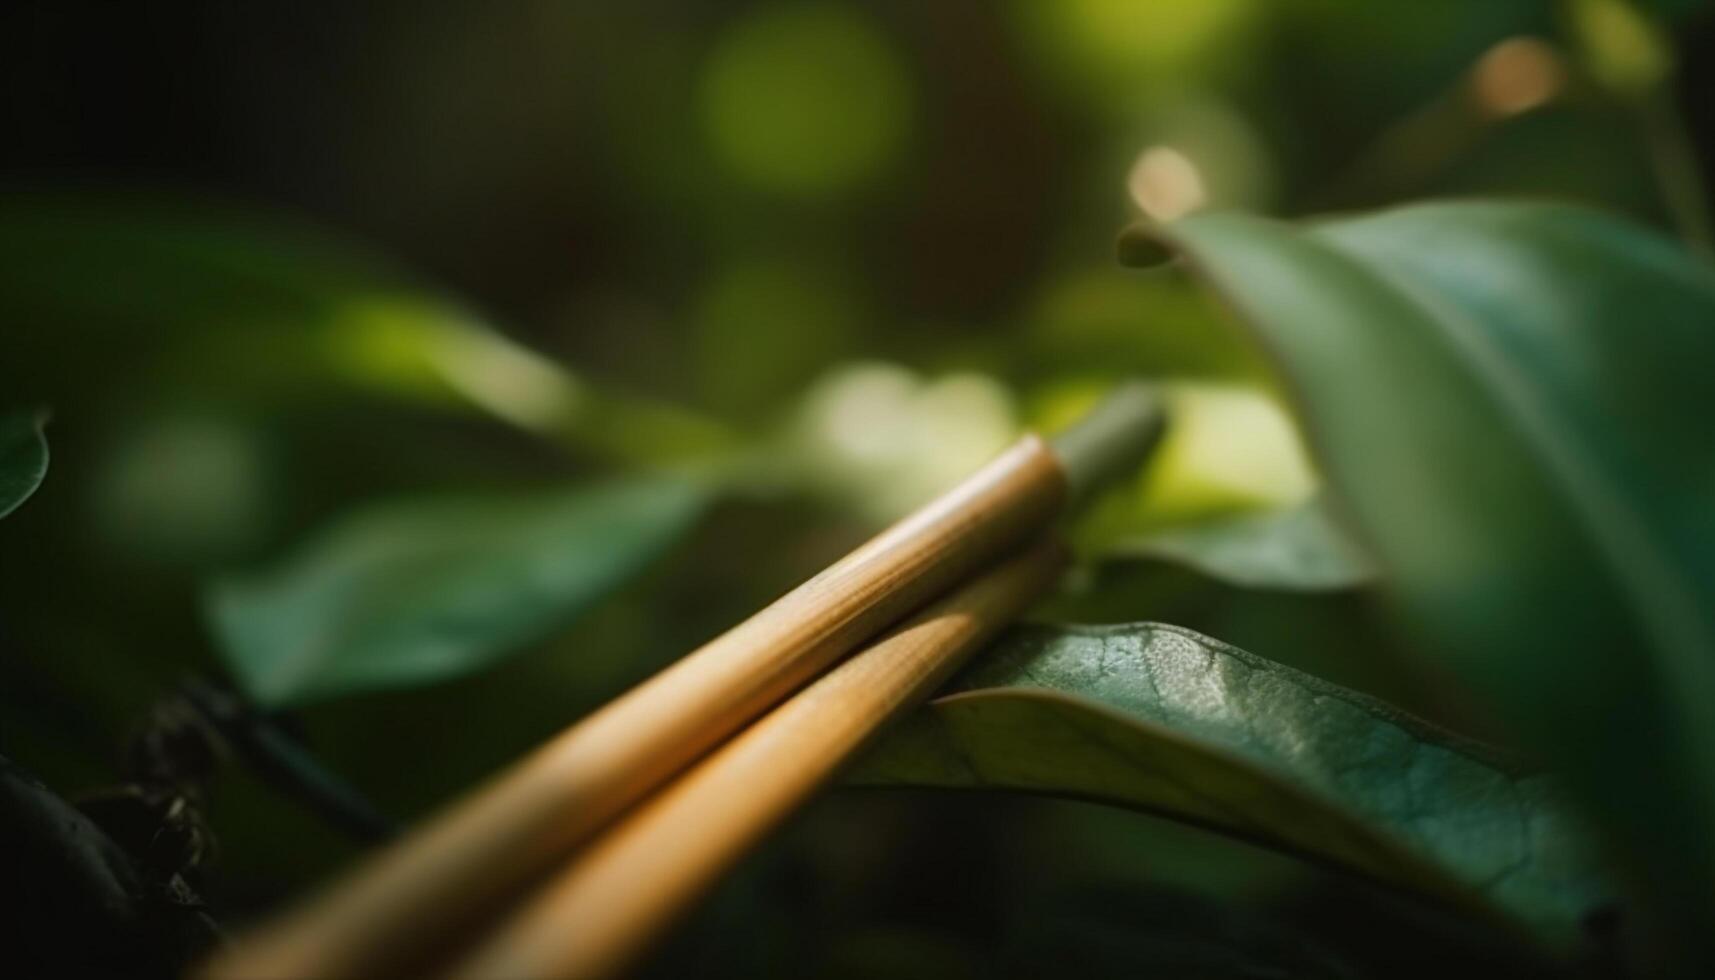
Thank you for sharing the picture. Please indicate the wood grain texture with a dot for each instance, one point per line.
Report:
(642, 872)
(517, 826)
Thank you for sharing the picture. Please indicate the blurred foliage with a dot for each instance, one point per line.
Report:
(1297, 548)
(805, 99)
(819, 258)
(414, 592)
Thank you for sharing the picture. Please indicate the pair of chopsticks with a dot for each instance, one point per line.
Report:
(603, 835)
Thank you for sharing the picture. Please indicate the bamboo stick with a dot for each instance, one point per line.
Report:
(384, 918)
(517, 825)
(635, 878)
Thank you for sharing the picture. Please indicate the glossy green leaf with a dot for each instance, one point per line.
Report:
(411, 592)
(1344, 636)
(1513, 403)
(23, 457)
(1165, 720)
(1299, 549)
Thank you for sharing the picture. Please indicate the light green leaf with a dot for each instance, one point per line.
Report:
(1513, 403)
(1298, 549)
(23, 457)
(1164, 720)
(410, 592)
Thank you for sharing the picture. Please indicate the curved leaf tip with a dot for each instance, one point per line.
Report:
(1295, 549)
(23, 456)
(1511, 401)
(1167, 721)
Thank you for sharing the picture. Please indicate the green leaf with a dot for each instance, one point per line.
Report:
(1513, 402)
(244, 304)
(410, 592)
(248, 305)
(1164, 720)
(103, 282)
(1346, 637)
(23, 457)
(1298, 549)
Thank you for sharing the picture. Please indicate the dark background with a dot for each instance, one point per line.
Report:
(586, 176)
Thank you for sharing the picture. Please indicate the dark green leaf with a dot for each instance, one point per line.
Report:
(23, 457)
(1299, 549)
(1346, 637)
(407, 593)
(1513, 402)
(1164, 720)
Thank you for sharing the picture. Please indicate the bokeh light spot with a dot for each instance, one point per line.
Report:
(183, 489)
(1163, 35)
(1621, 49)
(767, 326)
(1517, 75)
(807, 100)
(1229, 448)
(1116, 52)
(881, 440)
(1165, 184)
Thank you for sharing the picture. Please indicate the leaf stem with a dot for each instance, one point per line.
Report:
(286, 764)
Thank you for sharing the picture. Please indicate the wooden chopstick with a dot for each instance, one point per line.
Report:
(381, 920)
(639, 874)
